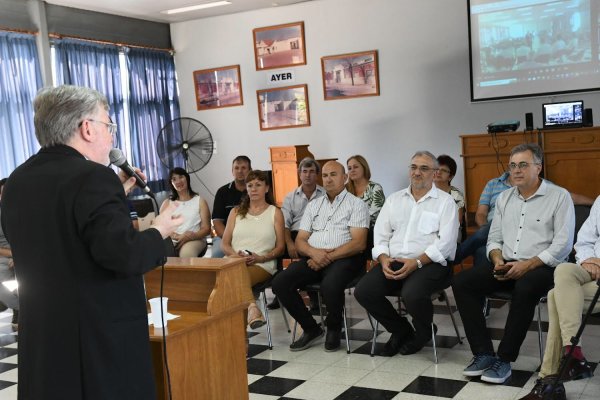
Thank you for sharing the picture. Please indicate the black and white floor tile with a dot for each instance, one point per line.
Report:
(314, 374)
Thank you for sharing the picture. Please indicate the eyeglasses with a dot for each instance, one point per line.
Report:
(522, 165)
(112, 128)
(444, 170)
(423, 168)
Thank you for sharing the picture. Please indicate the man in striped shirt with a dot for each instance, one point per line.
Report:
(331, 239)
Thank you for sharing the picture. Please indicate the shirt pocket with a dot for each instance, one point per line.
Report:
(429, 222)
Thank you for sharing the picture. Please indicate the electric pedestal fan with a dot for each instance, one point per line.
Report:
(186, 143)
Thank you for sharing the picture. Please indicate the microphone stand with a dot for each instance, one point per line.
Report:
(574, 341)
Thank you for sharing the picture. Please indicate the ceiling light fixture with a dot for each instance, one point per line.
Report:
(197, 7)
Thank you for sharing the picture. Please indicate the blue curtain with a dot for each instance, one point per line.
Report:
(93, 65)
(20, 79)
(153, 102)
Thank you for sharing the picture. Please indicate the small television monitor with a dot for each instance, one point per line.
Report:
(568, 114)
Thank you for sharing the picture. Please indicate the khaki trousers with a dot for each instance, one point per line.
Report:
(573, 287)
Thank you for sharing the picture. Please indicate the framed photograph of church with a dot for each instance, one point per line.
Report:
(218, 87)
(350, 75)
(283, 107)
(279, 46)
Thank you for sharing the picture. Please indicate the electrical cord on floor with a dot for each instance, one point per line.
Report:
(164, 339)
(162, 315)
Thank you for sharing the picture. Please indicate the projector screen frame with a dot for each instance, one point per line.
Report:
(594, 11)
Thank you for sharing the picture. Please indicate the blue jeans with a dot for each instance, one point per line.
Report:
(472, 243)
(216, 251)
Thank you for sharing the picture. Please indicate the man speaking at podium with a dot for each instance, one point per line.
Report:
(83, 331)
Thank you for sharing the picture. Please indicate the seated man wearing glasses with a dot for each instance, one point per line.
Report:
(531, 233)
(415, 234)
(331, 238)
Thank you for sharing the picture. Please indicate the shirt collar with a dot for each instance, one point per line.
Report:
(504, 177)
(319, 189)
(434, 192)
(541, 190)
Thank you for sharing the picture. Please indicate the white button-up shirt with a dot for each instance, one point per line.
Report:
(329, 223)
(588, 238)
(407, 228)
(541, 226)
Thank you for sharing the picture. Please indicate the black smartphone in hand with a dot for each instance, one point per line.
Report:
(396, 265)
(500, 272)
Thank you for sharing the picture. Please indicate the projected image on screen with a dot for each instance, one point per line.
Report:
(528, 47)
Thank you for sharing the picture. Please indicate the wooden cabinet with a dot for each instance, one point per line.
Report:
(571, 159)
(284, 163)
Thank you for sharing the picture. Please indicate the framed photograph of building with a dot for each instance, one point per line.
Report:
(350, 75)
(284, 107)
(218, 87)
(279, 46)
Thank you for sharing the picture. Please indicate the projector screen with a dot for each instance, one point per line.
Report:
(532, 47)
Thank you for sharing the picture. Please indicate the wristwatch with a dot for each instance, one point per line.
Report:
(419, 264)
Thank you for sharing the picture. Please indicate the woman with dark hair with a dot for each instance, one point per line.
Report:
(442, 178)
(189, 239)
(255, 232)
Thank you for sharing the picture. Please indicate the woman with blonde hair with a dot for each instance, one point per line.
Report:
(255, 232)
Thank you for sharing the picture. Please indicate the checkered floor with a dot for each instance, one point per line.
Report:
(315, 374)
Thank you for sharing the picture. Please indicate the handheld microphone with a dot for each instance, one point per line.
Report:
(117, 158)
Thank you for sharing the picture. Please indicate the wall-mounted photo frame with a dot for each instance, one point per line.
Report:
(284, 107)
(279, 46)
(218, 87)
(350, 75)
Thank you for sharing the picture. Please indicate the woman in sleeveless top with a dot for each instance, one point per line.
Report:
(255, 232)
(190, 238)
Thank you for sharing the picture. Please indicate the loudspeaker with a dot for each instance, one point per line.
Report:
(588, 118)
(529, 121)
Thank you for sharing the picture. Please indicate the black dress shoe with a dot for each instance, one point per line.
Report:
(545, 389)
(417, 343)
(306, 340)
(576, 369)
(332, 339)
(273, 305)
(397, 340)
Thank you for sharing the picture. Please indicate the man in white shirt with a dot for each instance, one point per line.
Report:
(531, 233)
(415, 236)
(331, 238)
(574, 285)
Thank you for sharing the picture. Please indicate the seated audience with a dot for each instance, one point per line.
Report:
(189, 239)
(415, 235)
(254, 231)
(293, 208)
(8, 299)
(574, 284)
(442, 178)
(331, 239)
(531, 233)
(228, 196)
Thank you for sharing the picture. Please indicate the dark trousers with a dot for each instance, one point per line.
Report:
(473, 285)
(333, 278)
(416, 291)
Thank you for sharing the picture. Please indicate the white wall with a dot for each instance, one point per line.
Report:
(424, 79)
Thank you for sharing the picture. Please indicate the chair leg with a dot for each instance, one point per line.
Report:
(346, 330)
(374, 336)
(539, 323)
(294, 331)
(435, 355)
(263, 295)
(452, 317)
(321, 309)
(285, 319)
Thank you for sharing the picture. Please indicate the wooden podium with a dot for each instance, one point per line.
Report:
(206, 345)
